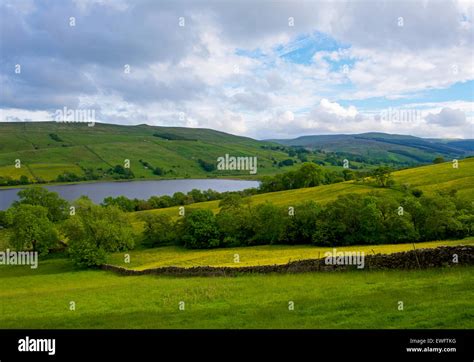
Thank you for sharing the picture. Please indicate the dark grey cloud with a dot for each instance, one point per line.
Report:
(252, 100)
(448, 117)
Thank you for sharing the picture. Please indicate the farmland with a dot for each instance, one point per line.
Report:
(433, 298)
(429, 179)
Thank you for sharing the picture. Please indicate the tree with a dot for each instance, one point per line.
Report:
(199, 230)
(440, 218)
(398, 226)
(383, 176)
(347, 174)
(57, 207)
(439, 160)
(159, 229)
(24, 180)
(31, 228)
(96, 230)
(350, 219)
(3, 219)
(122, 202)
(207, 166)
(235, 222)
(231, 201)
(309, 175)
(303, 223)
(269, 224)
(158, 171)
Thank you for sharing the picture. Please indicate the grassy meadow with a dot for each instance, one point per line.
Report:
(433, 298)
(429, 179)
(253, 255)
(103, 146)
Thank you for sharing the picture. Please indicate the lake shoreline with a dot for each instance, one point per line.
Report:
(239, 178)
(141, 189)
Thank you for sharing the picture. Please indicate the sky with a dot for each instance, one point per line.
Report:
(262, 69)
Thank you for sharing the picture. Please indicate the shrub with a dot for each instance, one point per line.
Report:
(199, 230)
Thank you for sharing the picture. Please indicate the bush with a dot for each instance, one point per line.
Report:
(269, 224)
(31, 228)
(199, 230)
(207, 166)
(96, 230)
(57, 208)
(159, 230)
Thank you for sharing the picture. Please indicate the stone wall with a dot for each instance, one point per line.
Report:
(414, 259)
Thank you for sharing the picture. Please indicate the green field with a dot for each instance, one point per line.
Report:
(429, 179)
(104, 146)
(434, 298)
(254, 255)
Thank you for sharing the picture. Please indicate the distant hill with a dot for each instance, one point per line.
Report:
(48, 149)
(382, 147)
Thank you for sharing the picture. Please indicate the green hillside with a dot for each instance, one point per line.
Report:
(48, 149)
(426, 178)
(381, 147)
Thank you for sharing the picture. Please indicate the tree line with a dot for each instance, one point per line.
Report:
(351, 219)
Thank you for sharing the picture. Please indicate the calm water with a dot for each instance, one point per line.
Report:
(133, 189)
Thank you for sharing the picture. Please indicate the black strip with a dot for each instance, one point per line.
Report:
(291, 345)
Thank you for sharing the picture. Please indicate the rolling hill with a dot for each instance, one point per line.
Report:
(48, 149)
(429, 179)
(382, 147)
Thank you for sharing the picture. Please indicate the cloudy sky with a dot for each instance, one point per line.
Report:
(263, 69)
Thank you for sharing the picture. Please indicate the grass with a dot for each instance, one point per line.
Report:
(429, 179)
(256, 255)
(434, 298)
(104, 146)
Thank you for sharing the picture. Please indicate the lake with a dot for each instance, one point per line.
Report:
(97, 191)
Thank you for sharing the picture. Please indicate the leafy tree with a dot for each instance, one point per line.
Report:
(120, 172)
(122, 202)
(197, 195)
(3, 219)
(31, 228)
(269, 224)
(158, 171)
(398, 226)
(383, 176)
(24, 180)
(199, 230)
(159, 229)
(417, 192)
(231, 201)
(235, 221)
(439, 160)
(347, 175)
(57, 207)
(303, 223)
(287, 162)
(309, 175)
(158, 202)
(440, 218)
(96, 230)
(207, 166)
(179, 198)
(350, 219)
